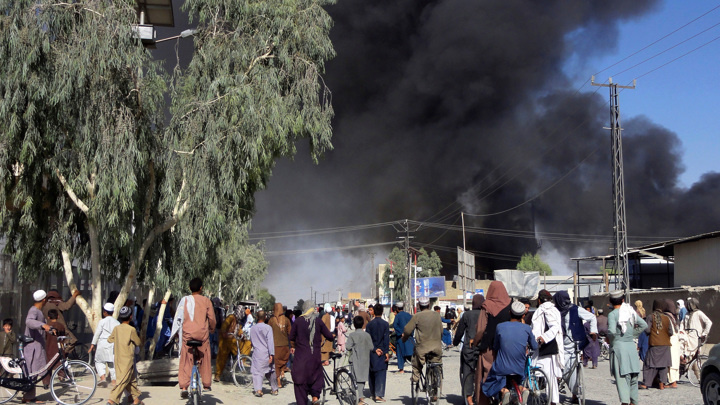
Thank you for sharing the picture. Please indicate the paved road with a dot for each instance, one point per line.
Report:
(601, 390)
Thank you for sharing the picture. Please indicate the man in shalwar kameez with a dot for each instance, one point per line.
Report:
(306, 336)
(125, 339)
(379, 332)
(281, 327)
(35, 327)
(624, 326)
(105, 351)
(263, 357)
(194, 320)
(404, 348)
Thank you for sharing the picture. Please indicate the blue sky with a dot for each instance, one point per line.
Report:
(682, 96)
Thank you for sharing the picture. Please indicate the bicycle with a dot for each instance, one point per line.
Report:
(195, 389)
(579, 376)
(429, 382)
(687, 362)
(536, 381)
(73, 382)
(342, 385)
(241, 365)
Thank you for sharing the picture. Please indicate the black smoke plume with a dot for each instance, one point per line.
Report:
(466, 105)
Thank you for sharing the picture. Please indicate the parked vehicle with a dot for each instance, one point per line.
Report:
(710, 377)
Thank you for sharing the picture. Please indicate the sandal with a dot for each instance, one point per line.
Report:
(258, 394)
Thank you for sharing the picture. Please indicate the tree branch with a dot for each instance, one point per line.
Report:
(71, 193)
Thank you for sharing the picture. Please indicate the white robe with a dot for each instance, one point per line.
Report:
(551, 364)
(104, 351)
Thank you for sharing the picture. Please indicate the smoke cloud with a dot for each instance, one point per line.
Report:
(456, 105)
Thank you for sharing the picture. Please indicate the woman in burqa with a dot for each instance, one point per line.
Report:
(306, 336)
(465, 333)
(675, 348)
(658, 359)
(494, 310)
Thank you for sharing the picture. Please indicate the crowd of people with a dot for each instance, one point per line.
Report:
(495, 338)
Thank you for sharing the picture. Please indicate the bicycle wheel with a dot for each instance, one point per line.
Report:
(415, 391)
(434, 385)
(6, 394)
(691, 376)
(580, 385)
(73, 383)
(538, 385)
(346, 387)
(241, 371)
(604, 352)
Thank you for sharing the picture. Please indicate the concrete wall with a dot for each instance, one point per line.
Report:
(709, 298)
(697, 263)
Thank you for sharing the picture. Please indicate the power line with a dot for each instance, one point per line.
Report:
(655, 42)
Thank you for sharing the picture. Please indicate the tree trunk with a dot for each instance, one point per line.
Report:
(91, 314)
(158, 324)
(146, 317)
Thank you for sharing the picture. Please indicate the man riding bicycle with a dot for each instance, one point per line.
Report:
(194, 320)
(427, 326)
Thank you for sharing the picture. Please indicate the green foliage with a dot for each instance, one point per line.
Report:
(266, 300)
(82, 108)
(242, 267)
(399, 270)
(530, 262)
(430, 263)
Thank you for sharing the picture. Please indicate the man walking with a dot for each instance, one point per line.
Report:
(263, 358)
(35, 327)
(379, 331)
(623, 327)
(306, 334)
(406, 347)
(465, 334)
(572, 321)
(194, 320)
(104, 356)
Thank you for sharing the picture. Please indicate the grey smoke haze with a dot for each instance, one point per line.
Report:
(470, 103)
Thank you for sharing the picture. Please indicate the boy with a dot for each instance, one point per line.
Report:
(8, 339)
(359, 345)
(126, 339)
(104, 354)
(511, 341)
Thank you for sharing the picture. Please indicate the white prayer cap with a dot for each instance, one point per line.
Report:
(424, 301)
(517, 308)
(39, 295)
(617, 294)
(109, 307)
(399, 304)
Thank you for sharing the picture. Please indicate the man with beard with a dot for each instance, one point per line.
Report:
(35, 327)
(465, 333)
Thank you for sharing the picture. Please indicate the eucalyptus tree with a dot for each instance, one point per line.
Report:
(91, 176)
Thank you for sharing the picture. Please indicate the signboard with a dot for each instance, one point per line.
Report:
(429, 287)
(466, 269)
(354, 296)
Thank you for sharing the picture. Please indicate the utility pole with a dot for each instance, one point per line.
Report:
(464, 272)
(619, 223)
(404, 227)
(374, 293)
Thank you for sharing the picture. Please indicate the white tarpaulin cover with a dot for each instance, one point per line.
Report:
(519, 283)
